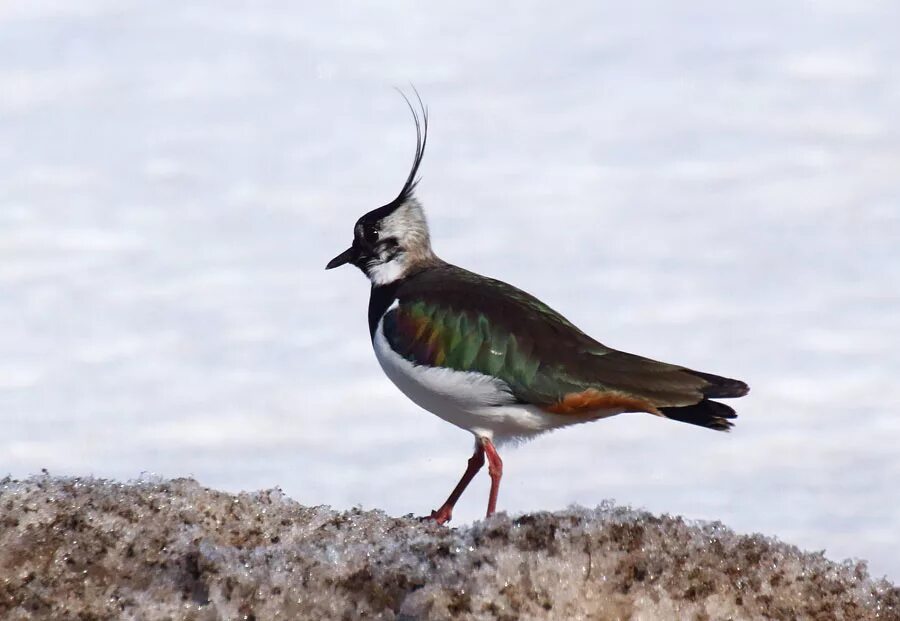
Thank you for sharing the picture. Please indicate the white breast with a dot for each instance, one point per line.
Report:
(473, 401)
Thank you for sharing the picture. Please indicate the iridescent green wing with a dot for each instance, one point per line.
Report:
(449, 317)
(471, 323)
(439, 336)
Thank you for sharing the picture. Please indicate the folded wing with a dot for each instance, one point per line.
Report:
(452, 318)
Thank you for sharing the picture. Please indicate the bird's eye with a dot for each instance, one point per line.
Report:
(370, 233)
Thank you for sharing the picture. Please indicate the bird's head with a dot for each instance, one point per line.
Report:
(392, 240)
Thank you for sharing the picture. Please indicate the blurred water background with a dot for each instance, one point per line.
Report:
(712, 184)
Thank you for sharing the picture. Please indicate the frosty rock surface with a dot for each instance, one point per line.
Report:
(93, 549)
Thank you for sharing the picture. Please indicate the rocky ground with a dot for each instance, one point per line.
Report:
(94, 549)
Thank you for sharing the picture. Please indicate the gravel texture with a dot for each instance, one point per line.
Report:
(93, 549)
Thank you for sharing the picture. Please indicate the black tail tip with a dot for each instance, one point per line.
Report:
(709, 414)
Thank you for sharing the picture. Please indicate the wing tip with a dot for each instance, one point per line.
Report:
(721, 387)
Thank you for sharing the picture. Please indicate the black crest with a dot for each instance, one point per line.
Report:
(421, 138)
(420, 118)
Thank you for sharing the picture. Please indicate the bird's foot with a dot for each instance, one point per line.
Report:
(441, 516)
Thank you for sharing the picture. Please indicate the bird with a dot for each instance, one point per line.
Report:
(492, 359)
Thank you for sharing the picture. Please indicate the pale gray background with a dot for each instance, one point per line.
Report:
(712, 185)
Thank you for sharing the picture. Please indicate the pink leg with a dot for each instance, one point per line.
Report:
(495, 469)
(476, 461)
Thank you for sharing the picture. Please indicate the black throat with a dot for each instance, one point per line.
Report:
(380, 299)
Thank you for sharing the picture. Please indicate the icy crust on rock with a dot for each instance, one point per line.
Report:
(95, 549)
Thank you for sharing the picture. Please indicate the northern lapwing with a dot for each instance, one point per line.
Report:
(493, 359)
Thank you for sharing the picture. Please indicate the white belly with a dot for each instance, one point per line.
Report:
(473, 401)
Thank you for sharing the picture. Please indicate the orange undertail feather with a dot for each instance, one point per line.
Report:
(593, 400)
(706, 413)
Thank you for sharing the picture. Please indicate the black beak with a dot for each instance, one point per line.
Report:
(341, 259)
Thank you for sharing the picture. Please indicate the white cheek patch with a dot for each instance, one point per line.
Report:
(386, 273)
